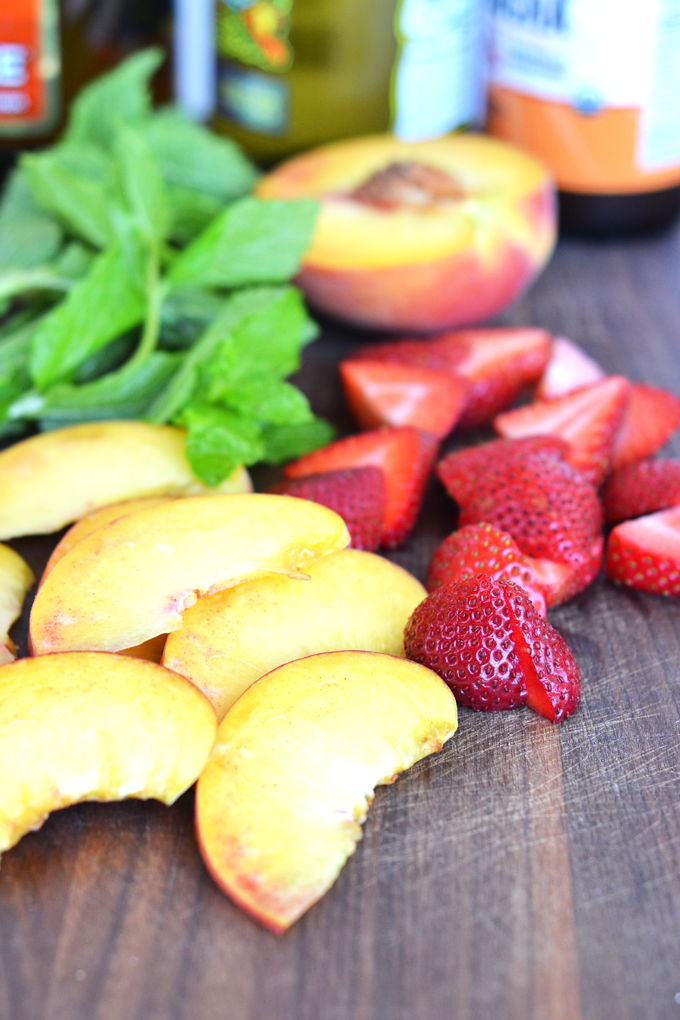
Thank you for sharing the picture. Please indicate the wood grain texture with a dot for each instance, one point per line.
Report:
(527, 873)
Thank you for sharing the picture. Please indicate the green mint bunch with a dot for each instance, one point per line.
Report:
(139, 279)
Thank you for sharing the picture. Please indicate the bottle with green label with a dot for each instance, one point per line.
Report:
(297, 73)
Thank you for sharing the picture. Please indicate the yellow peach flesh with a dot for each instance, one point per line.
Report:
(16, 577)
(279, 806)
(58, 477)
(133, 578)
(496, 178)
(87, 726)
(353, 600)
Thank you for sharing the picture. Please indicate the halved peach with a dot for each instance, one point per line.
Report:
(422, 235)
(353, 600)
(133, 578)
(280, 804)
(16, 577)
(86, 726)
(58, 477)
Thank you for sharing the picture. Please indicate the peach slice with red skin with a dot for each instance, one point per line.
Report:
(353, 600)
(133, 578)
(88, 726)
(58, 477)
(418, 256)
(280, 804)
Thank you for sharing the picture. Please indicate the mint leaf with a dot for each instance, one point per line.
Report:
(29, 237)
(106, 303)
(287, 442)
(266, 400)
(218, 441)
(191, 211)
(235, 309)
(80, 200)
(142, 184)
(121, 96)
(194, 158)
(185, 315)
(270, 341)
(252, 241)
(125, 393)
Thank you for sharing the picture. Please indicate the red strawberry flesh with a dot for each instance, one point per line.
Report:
(645, 553)
(641, 488)
(404, 455)
(587, 418)
(483, 548)
(380, 393)
(359, 495)
(649, 420)
(498, 363)
(487, 642)
(569, 369)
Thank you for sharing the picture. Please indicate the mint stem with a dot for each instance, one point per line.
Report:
(156, 289)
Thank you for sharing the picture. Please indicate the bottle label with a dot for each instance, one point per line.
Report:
(437, 77)
(252, 38)
(592, 87)
(30, 67)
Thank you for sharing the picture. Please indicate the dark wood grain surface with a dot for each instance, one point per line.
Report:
(529, 872)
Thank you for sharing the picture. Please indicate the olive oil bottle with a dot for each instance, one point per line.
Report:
(297, 73)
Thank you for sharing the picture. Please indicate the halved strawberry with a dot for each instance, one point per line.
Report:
(641, 488)
(560, 582)
(381, 393)
(650, 419)
(569, 369)
(588, 419)
(405, 456)
(462, 470)
(498, 363)
(645, 553)
(487, 642)
(359, 495)
(483, 548)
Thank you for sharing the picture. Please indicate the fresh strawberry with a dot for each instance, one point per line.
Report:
(645, 553)
(498, 363)
(650, 419)
(483, 548)
(588, 419)
(359, 495)
(461, 471)
(569, 369)
(641, 488)
(560, 582)
(525, 489)
(405, 456)
(487, 642)
(381, 393)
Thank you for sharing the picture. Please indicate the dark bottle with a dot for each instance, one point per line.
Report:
(50, 48)
(592, 87)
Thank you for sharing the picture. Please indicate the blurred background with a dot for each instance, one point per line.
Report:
(592, 87)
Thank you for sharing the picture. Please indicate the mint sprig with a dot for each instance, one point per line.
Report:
(139, 279)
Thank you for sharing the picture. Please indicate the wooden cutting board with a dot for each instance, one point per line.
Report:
(529, 872)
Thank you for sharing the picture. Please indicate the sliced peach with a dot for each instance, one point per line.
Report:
(58, 477)
(396, 249)
(133, 578)
(353, 600)
(16, 577)
(279, 806)
(97, 519)
(86, 726)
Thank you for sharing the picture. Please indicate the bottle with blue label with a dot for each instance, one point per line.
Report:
(298, 73)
